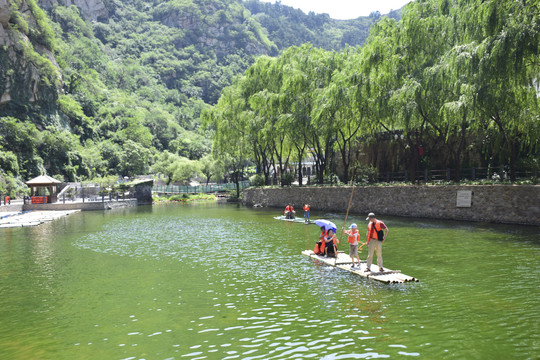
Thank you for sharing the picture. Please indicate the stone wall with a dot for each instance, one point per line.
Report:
(142, 190)
(497, 203)
(11, 208)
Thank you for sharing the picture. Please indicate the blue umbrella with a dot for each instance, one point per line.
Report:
(327, 224)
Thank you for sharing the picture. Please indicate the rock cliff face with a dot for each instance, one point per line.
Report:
(29, 74)
(4, 13)
(221, 29)
(90, 9)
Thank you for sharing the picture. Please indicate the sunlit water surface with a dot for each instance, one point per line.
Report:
(217, 281)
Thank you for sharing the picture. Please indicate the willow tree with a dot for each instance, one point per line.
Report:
(307, 71)
(390, 91)
(342, 106)
(257, 92)
(505, 71)
(228, 119)
(426, 33)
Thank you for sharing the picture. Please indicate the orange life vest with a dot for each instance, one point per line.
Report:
(375, 231)
(288, 208)
(354, 236)
(306, 207)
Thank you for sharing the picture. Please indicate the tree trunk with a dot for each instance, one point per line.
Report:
(237, 182)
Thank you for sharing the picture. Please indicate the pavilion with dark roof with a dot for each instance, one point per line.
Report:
(43, 189)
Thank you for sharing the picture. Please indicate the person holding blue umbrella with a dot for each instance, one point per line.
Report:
(328, 229)
(330, 244)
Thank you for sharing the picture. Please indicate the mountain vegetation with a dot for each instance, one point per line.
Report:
(117, 87)
(111, 87)
(288, 27)
(452, 84)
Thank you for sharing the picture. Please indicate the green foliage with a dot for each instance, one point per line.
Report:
(185, 198)
(19, 23)
(9, 162)
(287, 179)
(288, 27)
(459, 79)
(12, 186)
(43, 33)
(184, 170)
(133, 159)
(395, 103)
(365, 174)
(48, 71)
(104, 182)
(257, 180)
(211, 168)
(21, 139)
(176, 168)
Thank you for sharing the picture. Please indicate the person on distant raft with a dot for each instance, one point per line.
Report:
(330, 244)
(354, 238)
(376, 234)
(289, 212)
(306, 213)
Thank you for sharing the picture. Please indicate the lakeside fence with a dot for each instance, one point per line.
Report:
(465, 174)
(186, 189)
(77, 192)
(496, 174)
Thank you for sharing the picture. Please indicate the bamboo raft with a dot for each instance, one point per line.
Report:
(344, 262)
(295, 220)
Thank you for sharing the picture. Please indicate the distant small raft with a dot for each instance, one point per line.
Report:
(296, 220)
(344, 262)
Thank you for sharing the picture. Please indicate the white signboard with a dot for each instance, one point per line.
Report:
(464, 198)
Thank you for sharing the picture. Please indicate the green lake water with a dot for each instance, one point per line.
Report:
(219, 281)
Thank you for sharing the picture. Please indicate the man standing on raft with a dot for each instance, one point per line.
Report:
(306, 213)
(376, 234)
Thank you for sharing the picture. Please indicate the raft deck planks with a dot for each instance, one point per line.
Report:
(344, 262)
(296, 219)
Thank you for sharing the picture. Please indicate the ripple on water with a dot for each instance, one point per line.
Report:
(279, 304)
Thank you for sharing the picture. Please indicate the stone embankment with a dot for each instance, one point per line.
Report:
(511, 204)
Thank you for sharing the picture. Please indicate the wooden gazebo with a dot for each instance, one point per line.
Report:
(43, 189)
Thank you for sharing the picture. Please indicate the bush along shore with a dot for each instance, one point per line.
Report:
(183, 198)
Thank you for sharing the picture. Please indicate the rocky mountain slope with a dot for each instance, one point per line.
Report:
(117, 85)
(30, 78)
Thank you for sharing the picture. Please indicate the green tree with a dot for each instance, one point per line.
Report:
(228, 123)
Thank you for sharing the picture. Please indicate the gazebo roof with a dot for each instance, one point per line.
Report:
(43, 180)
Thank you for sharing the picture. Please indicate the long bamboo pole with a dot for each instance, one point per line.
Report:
(344, 223)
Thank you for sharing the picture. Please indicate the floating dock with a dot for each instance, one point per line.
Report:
(344, 262)
(31, 218)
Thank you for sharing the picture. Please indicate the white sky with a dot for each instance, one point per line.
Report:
(344, 9)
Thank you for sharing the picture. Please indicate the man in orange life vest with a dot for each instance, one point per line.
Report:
(306, 213)
(376, 234)
(289, 212)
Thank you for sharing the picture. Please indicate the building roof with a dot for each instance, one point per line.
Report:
(43, 180)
